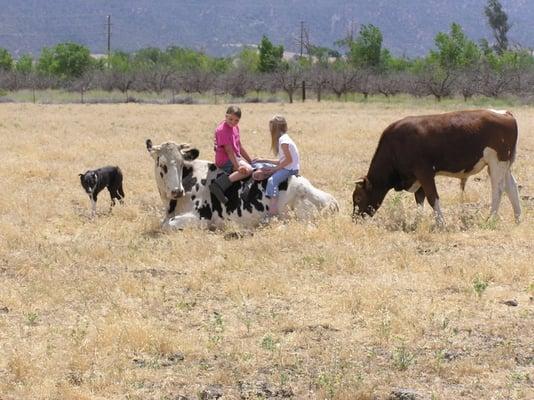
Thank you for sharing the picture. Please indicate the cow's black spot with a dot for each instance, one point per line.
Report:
(205, 212)
(172, 206)
(186, 171)
(193, 197)
(165, 169)
(161, 174)
(234, 200)
(197, 203)
(197, 187)
(216, 205)
(212, 167)
(203, 182)
(188, 180)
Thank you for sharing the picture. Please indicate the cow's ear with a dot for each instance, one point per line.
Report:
(153, 150)
(363, 183)
(190, 154)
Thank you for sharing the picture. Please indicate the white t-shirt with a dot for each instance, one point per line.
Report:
(285, 139)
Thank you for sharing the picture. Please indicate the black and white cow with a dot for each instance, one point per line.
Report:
(183, 181)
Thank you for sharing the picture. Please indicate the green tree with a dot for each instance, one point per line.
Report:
(6, 61)
(439, 72)
(183, 59)
(24, 64)
(323, 54)
(498, 21)
(120, 61)
(366, 50)
(66, 60)
(270, 56)
(151, 56)
(249, 59)
(455, 50)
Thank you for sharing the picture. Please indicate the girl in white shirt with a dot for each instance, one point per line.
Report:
(288, 162)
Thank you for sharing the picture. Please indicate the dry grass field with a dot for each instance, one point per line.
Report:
(113, 308)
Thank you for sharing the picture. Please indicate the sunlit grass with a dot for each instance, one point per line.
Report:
(113, 308)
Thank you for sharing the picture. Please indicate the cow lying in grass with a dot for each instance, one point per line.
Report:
(412, 151)
(183, 184)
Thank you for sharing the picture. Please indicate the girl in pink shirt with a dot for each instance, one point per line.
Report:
(230, 155)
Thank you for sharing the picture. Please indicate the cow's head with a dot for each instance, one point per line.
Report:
(170, 160)
(89, 181)
(363, 198)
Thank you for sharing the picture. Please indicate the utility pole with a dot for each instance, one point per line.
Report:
(109, 40)
(301, 37)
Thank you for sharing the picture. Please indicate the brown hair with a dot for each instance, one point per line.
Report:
(277, 126)
(234, 110)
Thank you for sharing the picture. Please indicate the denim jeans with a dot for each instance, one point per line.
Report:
(227, 167)
(277, 178)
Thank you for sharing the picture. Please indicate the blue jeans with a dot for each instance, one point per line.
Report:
(277, 178)
(228, 167)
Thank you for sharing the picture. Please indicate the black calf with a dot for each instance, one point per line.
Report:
(94, 181)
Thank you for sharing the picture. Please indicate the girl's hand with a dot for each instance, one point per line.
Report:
(242, 170)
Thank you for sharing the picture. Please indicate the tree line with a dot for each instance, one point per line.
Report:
(456, 66)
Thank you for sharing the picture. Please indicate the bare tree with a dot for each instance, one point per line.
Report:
(496, 82)
(438, 81)
(318, 77)
(197, 80)
(341, 79)
(259, 82)
(468, 82)
(237, 82)
(289, 79)
(82, 84)
(154, 79)
(364, 82)
(390, 84)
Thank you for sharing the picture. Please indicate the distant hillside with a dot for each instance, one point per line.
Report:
(220, 27)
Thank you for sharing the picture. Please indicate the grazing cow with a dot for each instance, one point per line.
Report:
(412, 151)
(183, 184)
(94, 181)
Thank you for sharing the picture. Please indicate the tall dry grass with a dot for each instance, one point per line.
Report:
(112, 308)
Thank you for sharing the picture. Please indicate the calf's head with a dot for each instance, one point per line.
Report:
(170, 159)
(89, 181)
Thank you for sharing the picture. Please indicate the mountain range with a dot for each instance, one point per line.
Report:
(222, 27)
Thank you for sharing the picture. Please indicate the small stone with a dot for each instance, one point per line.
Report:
(510, 303)
(404, 394)
(211, 392)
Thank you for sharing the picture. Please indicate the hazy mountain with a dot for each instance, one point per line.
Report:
(219, 27)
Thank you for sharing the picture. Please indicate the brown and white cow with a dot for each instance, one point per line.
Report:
(412, 151)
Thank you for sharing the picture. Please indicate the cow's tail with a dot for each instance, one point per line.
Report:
(514, 147)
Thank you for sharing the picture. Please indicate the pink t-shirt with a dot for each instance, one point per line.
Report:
(225, 134)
